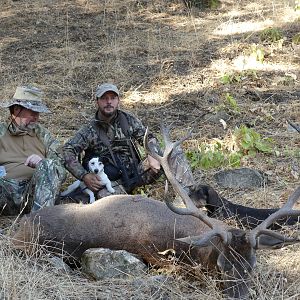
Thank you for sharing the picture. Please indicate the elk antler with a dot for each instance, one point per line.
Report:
(285, 211)
(190, 209)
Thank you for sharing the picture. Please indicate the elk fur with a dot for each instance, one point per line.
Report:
(138, 224)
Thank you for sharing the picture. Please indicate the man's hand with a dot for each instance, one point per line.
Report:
(33, 160)
(153, 164)
(92, 181)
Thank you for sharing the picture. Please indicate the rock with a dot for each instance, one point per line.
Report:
(58, 264)
(101, 263)
(240, 178)
(216, 117)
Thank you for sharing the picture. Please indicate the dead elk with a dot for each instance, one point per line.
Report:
(222, 209)
(147, 227)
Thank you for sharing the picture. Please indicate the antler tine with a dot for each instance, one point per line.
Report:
(190, 208)
(292, 199)
(171, 145)
(285, 211)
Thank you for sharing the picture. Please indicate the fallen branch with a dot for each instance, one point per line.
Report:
(294, 126)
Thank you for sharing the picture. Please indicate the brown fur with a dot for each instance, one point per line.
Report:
(134, 223)
(144, 227)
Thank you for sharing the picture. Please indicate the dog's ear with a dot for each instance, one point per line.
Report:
(199, 195)
(213, 197)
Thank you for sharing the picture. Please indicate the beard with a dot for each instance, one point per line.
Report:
(22, 129)
(108, 114)
(27, 127)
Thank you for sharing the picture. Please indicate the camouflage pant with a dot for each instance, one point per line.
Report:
(30, 195)
(181, 168)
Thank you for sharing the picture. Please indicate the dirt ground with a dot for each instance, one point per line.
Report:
(168, 61)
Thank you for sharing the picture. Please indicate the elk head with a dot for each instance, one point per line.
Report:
(235, 248)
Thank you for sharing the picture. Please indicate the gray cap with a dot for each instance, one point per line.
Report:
(106, 87)
(28, 97)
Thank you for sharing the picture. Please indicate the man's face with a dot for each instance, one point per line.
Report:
(25, 117)
(108, 104)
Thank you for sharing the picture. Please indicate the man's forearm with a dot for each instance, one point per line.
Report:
(72, 163)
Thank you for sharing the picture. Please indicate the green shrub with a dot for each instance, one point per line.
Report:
(231, 102)
(230, 78)
(242, 142)
(251, 142)
(271, 35)
(236, 77)
(296, 39)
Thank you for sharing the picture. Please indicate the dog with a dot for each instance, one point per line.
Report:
(97, 167)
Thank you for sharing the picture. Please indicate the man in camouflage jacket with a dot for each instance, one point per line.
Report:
(31, 167)
(111, 136)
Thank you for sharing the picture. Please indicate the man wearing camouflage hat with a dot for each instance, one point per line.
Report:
(32, 169)
(112, 136)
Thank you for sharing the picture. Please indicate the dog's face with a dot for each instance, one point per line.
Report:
(95, 165)
(199, 194)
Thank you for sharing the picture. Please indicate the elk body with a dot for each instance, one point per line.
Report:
(137, 224)
(145, 227)
(221, 208)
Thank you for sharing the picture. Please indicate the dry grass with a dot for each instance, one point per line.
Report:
(167, 61)
(29, 277)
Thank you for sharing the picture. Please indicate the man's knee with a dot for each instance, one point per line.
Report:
(49, 168)
(45, 164)
(10, 196)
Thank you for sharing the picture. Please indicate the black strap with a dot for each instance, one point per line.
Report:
(125, 129)
(104, 138)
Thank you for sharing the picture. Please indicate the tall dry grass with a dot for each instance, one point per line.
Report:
(167, 61)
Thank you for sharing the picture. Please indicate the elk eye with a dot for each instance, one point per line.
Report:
(223, 263)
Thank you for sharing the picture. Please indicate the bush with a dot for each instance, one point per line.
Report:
(271, 35)
(228, 152)
(296, 39)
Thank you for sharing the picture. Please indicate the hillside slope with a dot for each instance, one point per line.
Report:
(176, 65)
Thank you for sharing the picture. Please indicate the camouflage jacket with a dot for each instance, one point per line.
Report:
(52, 146)
(87, 140)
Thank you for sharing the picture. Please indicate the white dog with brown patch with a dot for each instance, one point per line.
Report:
(97, 167)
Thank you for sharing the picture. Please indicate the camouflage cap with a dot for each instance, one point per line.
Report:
(28, 97)
(106, 87)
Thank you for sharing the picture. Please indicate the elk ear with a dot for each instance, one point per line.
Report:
(270, 242)
(203, 240)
